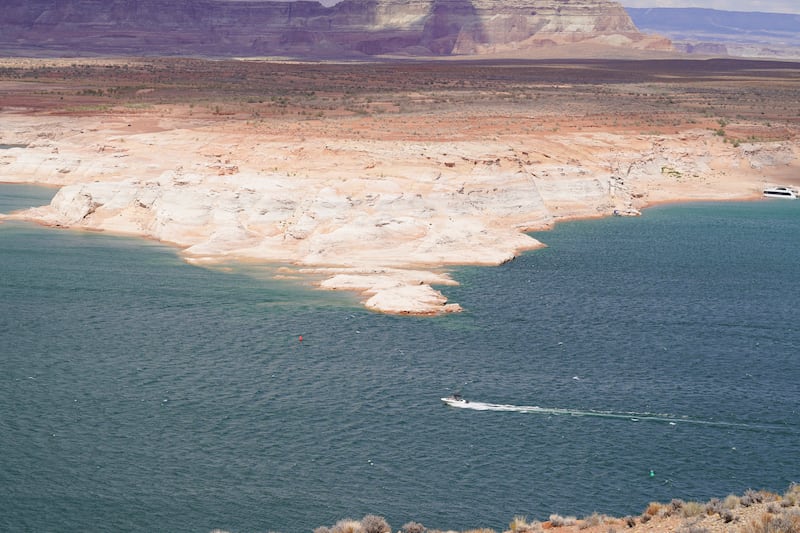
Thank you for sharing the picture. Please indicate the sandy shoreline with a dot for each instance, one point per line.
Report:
(383, 195)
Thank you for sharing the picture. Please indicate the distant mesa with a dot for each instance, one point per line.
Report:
(712, 32)
(352, 28)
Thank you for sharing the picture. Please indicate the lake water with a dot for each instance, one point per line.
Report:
(139, 393)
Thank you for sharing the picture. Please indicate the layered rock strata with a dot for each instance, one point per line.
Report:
(304, 28)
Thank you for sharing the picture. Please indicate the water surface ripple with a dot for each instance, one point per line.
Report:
(140, 393)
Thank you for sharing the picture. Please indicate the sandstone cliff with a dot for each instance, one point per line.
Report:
(304, 28)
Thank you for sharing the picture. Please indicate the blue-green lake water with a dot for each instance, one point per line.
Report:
(140, 393)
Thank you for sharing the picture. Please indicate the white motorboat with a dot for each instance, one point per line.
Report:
(455, 400)
(781, 192)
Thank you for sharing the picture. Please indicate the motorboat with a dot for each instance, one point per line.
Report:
(455, 400)
(781, 192)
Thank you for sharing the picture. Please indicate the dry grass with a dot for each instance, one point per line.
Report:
(763, 512)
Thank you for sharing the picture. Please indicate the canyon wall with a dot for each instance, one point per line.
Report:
(309, 29)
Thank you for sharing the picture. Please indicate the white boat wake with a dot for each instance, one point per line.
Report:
(631, 416)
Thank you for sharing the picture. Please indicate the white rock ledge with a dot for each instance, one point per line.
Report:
(377, 217)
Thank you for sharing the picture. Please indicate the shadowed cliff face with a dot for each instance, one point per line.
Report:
(304, 28)
(451, 25)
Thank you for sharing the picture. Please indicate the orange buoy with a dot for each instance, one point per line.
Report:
(300, 338)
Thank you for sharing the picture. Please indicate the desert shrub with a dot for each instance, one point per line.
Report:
(691, 509)
(768, 523)
(694, 529)
(413, 527)
(375, 524)
(561, 521)
(592, 520)
(784, 524)
(653, 508)
(714, 506)
(727, 516)
(347, 526)
(519, 524)
(731, 501)
(645, 518)
(792, 495)
(751, 497)
(630, 521)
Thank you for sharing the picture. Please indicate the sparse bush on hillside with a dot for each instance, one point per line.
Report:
(523, 526)
(751, 497)
(792, 496)
(714, 506)
(731, 501)
(561, 521)
(413, 527)
(769, 523)
(676, 504)
(691, 509)
(593, 520)
(347, 525)
(519, 524)
(375, 524)
(653, 508)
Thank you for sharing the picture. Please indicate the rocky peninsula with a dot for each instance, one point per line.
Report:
(376, 178)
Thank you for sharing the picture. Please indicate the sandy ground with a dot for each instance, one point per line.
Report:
(375, 188)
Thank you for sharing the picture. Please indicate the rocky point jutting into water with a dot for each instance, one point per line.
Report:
(349, 28)
(368, 187)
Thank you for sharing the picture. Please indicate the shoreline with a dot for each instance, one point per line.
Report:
(391, 251)
(379, 184)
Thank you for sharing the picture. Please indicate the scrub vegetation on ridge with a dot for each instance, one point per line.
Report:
(752, 512)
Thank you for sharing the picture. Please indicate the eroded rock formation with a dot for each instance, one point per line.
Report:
(378, 217)
(303, 28)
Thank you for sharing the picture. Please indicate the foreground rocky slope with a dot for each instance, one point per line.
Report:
(752, 512)
(352, 27)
